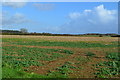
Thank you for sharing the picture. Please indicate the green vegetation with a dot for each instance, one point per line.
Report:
(8, 71)
(82, 59)
(64, 44)
(26, 57)
(19, 54)
(24, 53)
(62, 71)
(67, 44)
(113, 56)
(90, 54)
(109, 68)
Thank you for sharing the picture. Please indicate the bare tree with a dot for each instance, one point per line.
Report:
(24, 30)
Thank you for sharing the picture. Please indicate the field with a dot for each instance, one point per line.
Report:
(60, 57)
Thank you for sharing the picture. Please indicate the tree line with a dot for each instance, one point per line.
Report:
(23, 31)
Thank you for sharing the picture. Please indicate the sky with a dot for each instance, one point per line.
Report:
(61, 17)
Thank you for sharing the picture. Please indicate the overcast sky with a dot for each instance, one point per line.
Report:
(61, 17)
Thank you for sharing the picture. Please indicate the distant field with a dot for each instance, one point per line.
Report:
(60, 57)
(63, 38)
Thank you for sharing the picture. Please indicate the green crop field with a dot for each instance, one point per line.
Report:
(60, 57)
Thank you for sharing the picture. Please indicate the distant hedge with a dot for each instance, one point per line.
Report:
(15, 32)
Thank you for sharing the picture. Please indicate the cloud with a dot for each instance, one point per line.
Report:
(104, 14)
(0, 16)
(99, 19)
(14, 3)
(15, 0)
(74, 15)
(87, 10)
(17, 18)
(44, 7)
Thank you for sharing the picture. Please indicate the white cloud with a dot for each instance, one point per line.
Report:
(14, 3)
(99, 13)
(74, 15)
(17, 18)
(98, 19)
(87, 10)
(45, 6)
(104, 14)
(0, 16)
(15, 0)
